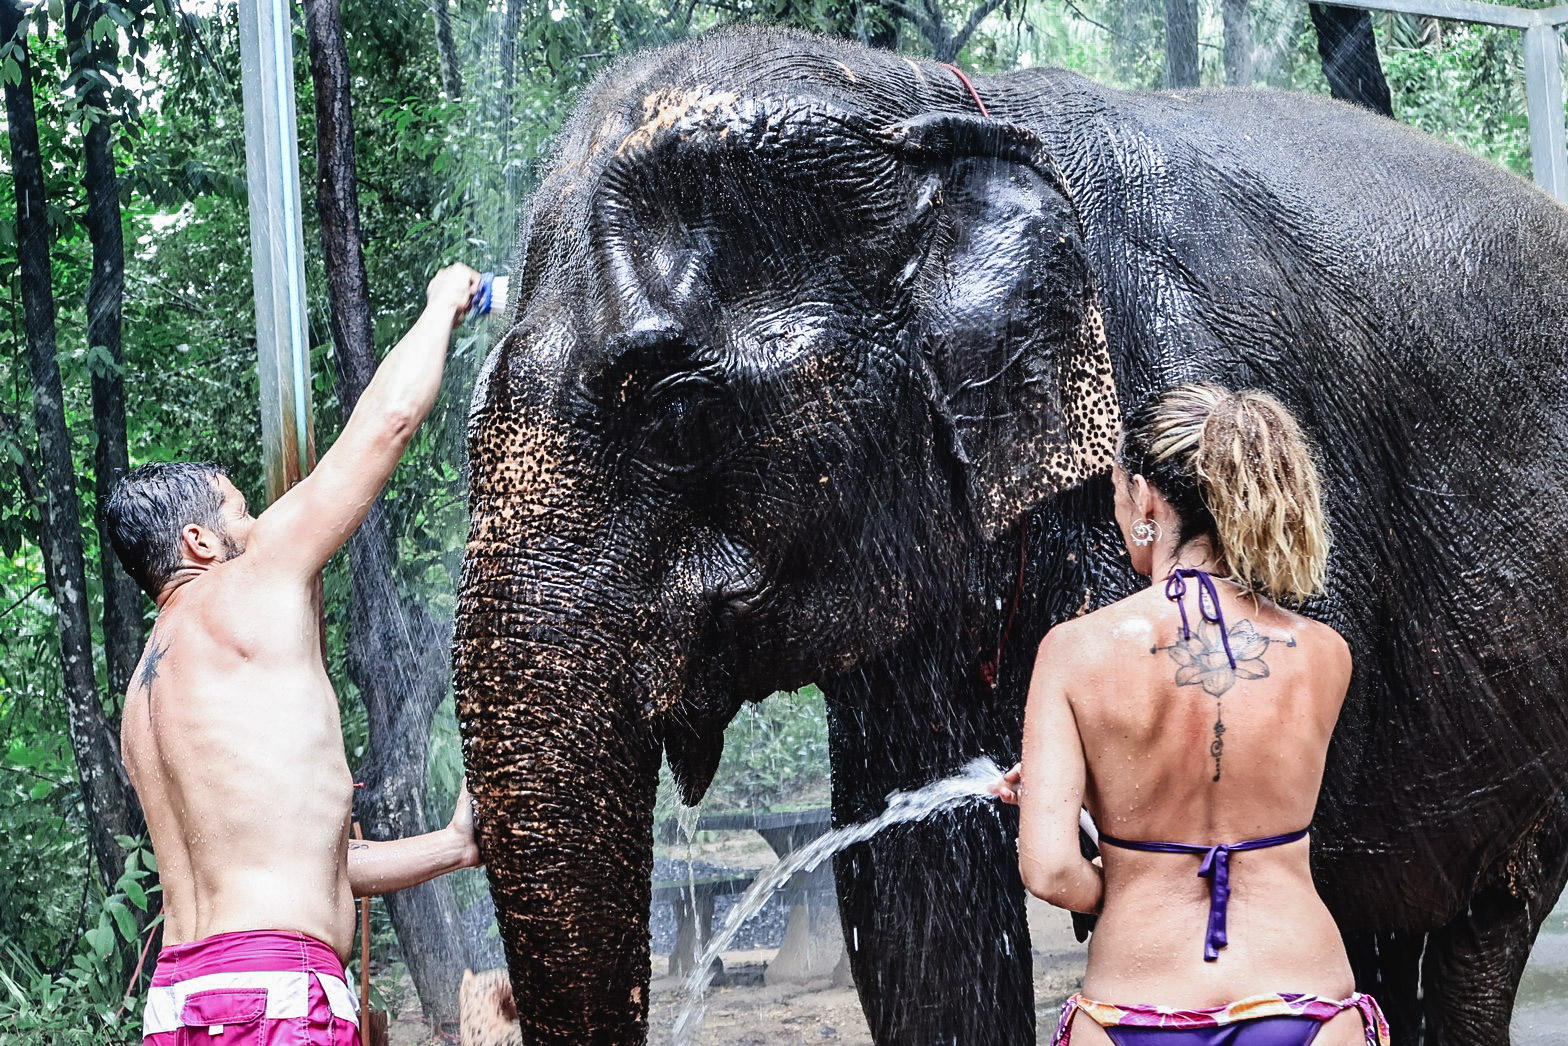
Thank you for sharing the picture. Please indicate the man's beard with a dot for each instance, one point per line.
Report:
(231, 548)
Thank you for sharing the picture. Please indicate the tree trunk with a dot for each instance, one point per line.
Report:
(1181, 43)
(111, 805)
(122, 600)
(399, 660)
(451, 72)
(1349, 53)
(396, 658)
(1237, 16)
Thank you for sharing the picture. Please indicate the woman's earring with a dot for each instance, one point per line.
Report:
(1145, 532)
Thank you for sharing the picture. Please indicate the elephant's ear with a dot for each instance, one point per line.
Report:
(1009, 321)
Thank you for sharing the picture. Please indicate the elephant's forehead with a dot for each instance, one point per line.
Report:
(700, 114)
(663, 110)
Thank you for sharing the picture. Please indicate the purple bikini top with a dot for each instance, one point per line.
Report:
(1216, 859)
(1215, 868)
(1176, 590)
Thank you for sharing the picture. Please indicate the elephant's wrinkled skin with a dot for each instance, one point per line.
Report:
(806, 360)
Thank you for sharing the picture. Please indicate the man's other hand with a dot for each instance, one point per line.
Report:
(462, 825)
(450, 292)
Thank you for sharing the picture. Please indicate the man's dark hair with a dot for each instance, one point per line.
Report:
(150, 506)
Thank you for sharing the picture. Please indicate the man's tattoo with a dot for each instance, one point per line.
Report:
(150, 664)
(359, 846)
(1201, 660)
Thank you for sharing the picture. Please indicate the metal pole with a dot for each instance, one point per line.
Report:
(1456, 10)
(277, 240)
(1543, 83)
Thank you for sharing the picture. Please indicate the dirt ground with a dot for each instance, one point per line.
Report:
(796, 1015)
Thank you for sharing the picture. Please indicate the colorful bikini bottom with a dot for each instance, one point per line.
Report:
(1284, 1019)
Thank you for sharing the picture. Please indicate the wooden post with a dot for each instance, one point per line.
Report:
(277, 242)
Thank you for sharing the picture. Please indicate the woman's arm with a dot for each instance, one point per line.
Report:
(1051, 795)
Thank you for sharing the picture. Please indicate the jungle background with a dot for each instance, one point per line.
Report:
(127, 335)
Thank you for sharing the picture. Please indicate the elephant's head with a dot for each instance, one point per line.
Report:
(792, 338)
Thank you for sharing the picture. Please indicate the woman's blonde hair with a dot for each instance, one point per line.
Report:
(1238, 470)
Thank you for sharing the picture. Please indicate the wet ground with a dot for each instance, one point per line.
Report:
(796, 1015)
(1541, 1009)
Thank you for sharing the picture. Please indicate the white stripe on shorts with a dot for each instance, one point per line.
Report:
(287, 996)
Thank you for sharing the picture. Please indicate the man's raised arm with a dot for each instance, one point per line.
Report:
(304, 527)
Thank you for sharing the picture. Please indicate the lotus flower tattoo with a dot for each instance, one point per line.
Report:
(1202, 661)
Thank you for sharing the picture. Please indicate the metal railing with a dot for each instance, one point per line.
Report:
(1543, 70)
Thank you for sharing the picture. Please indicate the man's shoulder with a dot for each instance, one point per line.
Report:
(249, 586)
(234, 605)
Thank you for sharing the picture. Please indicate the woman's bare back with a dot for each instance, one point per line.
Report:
(1182, 747)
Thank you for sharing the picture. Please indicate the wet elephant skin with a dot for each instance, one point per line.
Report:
(812, 374)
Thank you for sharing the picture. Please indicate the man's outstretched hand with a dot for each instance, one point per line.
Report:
(462, 825)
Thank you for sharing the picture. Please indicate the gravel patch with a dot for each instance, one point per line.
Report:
(763, 930)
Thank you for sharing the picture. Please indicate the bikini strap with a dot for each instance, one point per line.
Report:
(1372, 1020)
(1215, 867)
(1176, 591)
(1064, 1025)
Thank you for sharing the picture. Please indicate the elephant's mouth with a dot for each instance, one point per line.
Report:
(752, 645)
(731, 612)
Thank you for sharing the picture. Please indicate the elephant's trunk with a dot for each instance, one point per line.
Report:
(563, 771)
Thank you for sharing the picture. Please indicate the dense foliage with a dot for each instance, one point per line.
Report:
(450, 141)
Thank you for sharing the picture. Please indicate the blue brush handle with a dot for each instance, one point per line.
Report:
(492, 288)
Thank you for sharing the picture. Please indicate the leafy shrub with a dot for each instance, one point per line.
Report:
(87, 1001)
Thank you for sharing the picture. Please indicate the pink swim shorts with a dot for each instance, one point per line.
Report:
(259, 987)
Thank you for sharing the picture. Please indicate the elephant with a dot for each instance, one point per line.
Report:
(812, 372)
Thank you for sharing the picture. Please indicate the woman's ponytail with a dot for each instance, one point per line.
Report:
(1237, 469)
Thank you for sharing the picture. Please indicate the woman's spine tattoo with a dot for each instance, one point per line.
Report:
(1201, 660)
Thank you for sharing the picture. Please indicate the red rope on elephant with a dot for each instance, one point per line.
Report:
(988, 669)
(965, 80)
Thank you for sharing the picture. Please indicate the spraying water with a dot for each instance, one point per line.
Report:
(971, 784)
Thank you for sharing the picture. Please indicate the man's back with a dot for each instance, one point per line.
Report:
(231, 738)
(230, 730)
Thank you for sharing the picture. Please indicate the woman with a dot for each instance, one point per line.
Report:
(1192, 719)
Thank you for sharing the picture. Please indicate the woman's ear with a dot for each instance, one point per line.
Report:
(1008, 317)
(1143, 497)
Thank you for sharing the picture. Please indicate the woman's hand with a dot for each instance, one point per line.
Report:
(1009, 785)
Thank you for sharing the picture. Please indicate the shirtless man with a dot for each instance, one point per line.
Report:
(231, 735)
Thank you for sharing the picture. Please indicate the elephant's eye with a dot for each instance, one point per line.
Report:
(688, 425)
